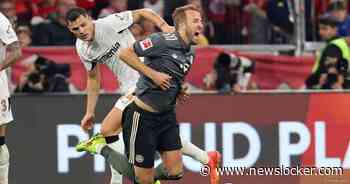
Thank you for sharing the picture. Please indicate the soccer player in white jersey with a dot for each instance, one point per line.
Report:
(98, 42)
(10, 51)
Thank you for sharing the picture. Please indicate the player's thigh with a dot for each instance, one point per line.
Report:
(144, 175)
(112, 122)
(111, 125)
(169, 136)
(139, 139)
(170, 147)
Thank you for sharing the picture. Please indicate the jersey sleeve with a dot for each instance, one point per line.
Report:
(7, 34)
(120, 21)
(153, 45)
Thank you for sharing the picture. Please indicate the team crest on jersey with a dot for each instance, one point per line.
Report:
(146, 44)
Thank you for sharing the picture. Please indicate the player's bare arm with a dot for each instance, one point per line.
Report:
(14, 53)
(152, 16)
(129, 56)
(93, 91)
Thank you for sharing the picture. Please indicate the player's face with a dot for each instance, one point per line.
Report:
(82, 28)
(194, 25)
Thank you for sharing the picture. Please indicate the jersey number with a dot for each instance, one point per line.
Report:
(184, 67)
(4, 106)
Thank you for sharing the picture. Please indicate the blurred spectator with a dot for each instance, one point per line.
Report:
(169, 7)
(43, 8)
(8, 8)
(338, 9)
(55, 32)
(217, 15)
(331, 66)
(44, 76)
(24, 35)
(99, 5)
(258, 25)
(156, 5)
(86, 4)
(280, 14)
(231, 74)
(115, 6)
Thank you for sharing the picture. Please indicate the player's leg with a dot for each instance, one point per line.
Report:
(140, 141)
(5, 117)
(169, 146)
(210, 158)
(110, 128)
(118, 146)
(172, 166)
(4, 157)
(194, 152)
(144, 175)
(111, 125)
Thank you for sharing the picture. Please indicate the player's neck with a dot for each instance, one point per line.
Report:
(184, 37)
(93, 33)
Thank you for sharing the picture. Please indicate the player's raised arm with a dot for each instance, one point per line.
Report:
(152, 16)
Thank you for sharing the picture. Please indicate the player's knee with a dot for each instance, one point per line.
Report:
(105, 131)
(144, 179)
(176, 172)
(144, 176)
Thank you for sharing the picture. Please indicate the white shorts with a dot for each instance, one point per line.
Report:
(123, 102)
(5, 111)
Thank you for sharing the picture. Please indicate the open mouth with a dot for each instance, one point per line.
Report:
(84, 36)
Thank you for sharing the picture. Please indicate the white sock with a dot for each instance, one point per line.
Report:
(193, 151)
(118, 146)
(4, 164)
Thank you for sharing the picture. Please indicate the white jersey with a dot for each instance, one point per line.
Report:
(111, 34)
(7, 36)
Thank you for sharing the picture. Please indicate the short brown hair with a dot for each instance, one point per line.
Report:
(180, 15)
(74, 13)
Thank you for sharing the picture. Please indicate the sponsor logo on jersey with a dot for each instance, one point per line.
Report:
(110, 53)
(146, 44)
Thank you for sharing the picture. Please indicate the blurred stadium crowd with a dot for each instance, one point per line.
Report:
(42, 23)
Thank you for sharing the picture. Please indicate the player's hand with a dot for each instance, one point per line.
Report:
(183, 95)
(168, 29)
(161, 79)
(87, 122)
